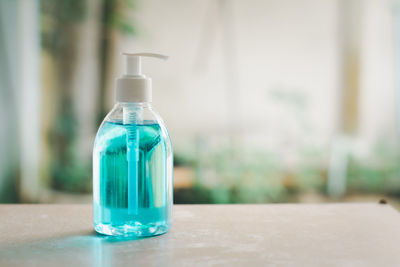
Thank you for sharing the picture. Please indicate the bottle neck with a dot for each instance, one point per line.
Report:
(139, 105)
(133, 112)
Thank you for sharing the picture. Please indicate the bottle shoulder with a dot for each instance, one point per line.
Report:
(135, 112)
(122, 117)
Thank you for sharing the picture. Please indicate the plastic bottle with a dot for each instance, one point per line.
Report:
(132, 161)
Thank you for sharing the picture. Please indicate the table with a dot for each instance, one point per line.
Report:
(208, 235)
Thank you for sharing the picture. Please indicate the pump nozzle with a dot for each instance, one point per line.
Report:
(134, 64)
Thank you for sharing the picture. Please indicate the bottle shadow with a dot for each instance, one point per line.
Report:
(83, 248)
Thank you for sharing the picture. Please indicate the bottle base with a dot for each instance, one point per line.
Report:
(131, 230)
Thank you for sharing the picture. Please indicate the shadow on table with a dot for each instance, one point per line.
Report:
(88, 248)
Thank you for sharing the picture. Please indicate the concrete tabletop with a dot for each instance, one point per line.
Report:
(208, 235)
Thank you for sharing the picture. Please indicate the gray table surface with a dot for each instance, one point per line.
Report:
(208, 235)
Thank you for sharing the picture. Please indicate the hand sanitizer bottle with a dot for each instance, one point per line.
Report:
(132, 161)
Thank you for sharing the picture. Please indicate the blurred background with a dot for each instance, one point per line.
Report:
(265, 100)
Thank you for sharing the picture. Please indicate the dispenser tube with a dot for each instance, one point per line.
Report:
(131, 117)
(133, 87)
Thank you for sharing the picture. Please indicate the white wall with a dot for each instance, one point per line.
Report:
(284, 50)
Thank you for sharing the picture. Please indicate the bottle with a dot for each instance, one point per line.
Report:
(132, 161)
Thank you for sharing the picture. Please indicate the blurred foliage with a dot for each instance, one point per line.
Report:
(194, 195)
(252, 176)
(243, 178)
(57, 18)
(378, 172)
(184, 159)
(60, 22)
(9, 191)
(115, 15)
(68, 173)
(59, 34)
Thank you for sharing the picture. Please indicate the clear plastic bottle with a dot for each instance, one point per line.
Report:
(132, 169)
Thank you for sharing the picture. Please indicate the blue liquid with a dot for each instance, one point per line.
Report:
(131, 205)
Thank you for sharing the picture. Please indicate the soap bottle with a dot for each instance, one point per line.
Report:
(132, 161)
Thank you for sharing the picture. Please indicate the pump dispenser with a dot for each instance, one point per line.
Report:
(133, 86)
(132, 161)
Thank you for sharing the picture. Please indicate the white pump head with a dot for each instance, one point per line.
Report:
(133, 86)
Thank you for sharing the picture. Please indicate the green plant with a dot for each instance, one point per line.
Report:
(378, 172)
